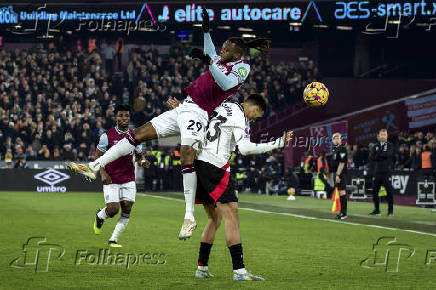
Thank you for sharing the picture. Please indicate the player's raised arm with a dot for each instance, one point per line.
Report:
(233, 51)
(209, 48)
(246, 147)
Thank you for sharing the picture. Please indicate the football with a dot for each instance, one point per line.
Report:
(316, 94)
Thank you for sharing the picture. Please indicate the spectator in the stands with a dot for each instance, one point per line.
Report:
(415, 159)
(21, 163)
(44, 153)
(361, 157)
(350, 162)
(68, 155)
(56, 154)
(402, 158)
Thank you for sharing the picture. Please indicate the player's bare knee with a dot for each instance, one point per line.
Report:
(187, 155)
(126, 206)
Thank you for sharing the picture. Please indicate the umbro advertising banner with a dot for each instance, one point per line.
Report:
(45, 180)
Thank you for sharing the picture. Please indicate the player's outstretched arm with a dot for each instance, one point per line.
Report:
(246, 147)
(209, 47)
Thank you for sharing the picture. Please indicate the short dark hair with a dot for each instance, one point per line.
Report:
(382, 130)
(120, 107)
(257, 100)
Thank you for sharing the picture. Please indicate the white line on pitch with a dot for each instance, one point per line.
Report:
(308, 217)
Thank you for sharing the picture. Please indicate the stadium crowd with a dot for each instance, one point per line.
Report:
(56, 100)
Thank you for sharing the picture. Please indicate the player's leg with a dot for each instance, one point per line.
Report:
(187, 158)
(229, 214)
(375, 197)
(344, 201)
(389, 195)
(161, 126)
(127, 197)
(343, 197)
(192, 121)
(111, 196)
(125, 146)
(207, 239)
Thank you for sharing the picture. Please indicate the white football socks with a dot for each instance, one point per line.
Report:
(123, 220)
(189, 189)
(241, 271)
(123, 147)
(102, 214)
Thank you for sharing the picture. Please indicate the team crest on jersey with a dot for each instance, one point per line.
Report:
(242, 71)
(247, 132)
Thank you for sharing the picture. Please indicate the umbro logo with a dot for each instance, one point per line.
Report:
(51, 176)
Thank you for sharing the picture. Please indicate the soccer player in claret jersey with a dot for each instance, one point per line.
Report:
(226, 73)
(118, 177)
(228, 128)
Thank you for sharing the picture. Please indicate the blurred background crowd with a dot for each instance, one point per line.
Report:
(57, 99)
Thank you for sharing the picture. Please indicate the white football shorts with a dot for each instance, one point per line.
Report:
(187, 120)
(118, 192)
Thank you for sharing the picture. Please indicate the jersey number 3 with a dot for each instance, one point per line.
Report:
(217, 120)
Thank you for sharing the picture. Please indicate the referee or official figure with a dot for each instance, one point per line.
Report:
(381, 157)
(339, 161)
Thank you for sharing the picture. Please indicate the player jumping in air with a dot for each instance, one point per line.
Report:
(225, 75)
(118, 177)
(228, 127)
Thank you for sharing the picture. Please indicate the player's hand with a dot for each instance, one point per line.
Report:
(144, 163)
(199, 54)
(338, 180)
(172, 103)
(105, 178)
(205, 24)
(287, 137)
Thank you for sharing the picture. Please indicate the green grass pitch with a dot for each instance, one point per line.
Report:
(292, 244)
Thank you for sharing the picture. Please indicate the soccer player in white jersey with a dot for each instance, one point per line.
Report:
(228, 128)
(226, 74)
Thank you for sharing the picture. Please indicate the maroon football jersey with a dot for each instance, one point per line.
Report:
(207, 94)
(121, 170)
